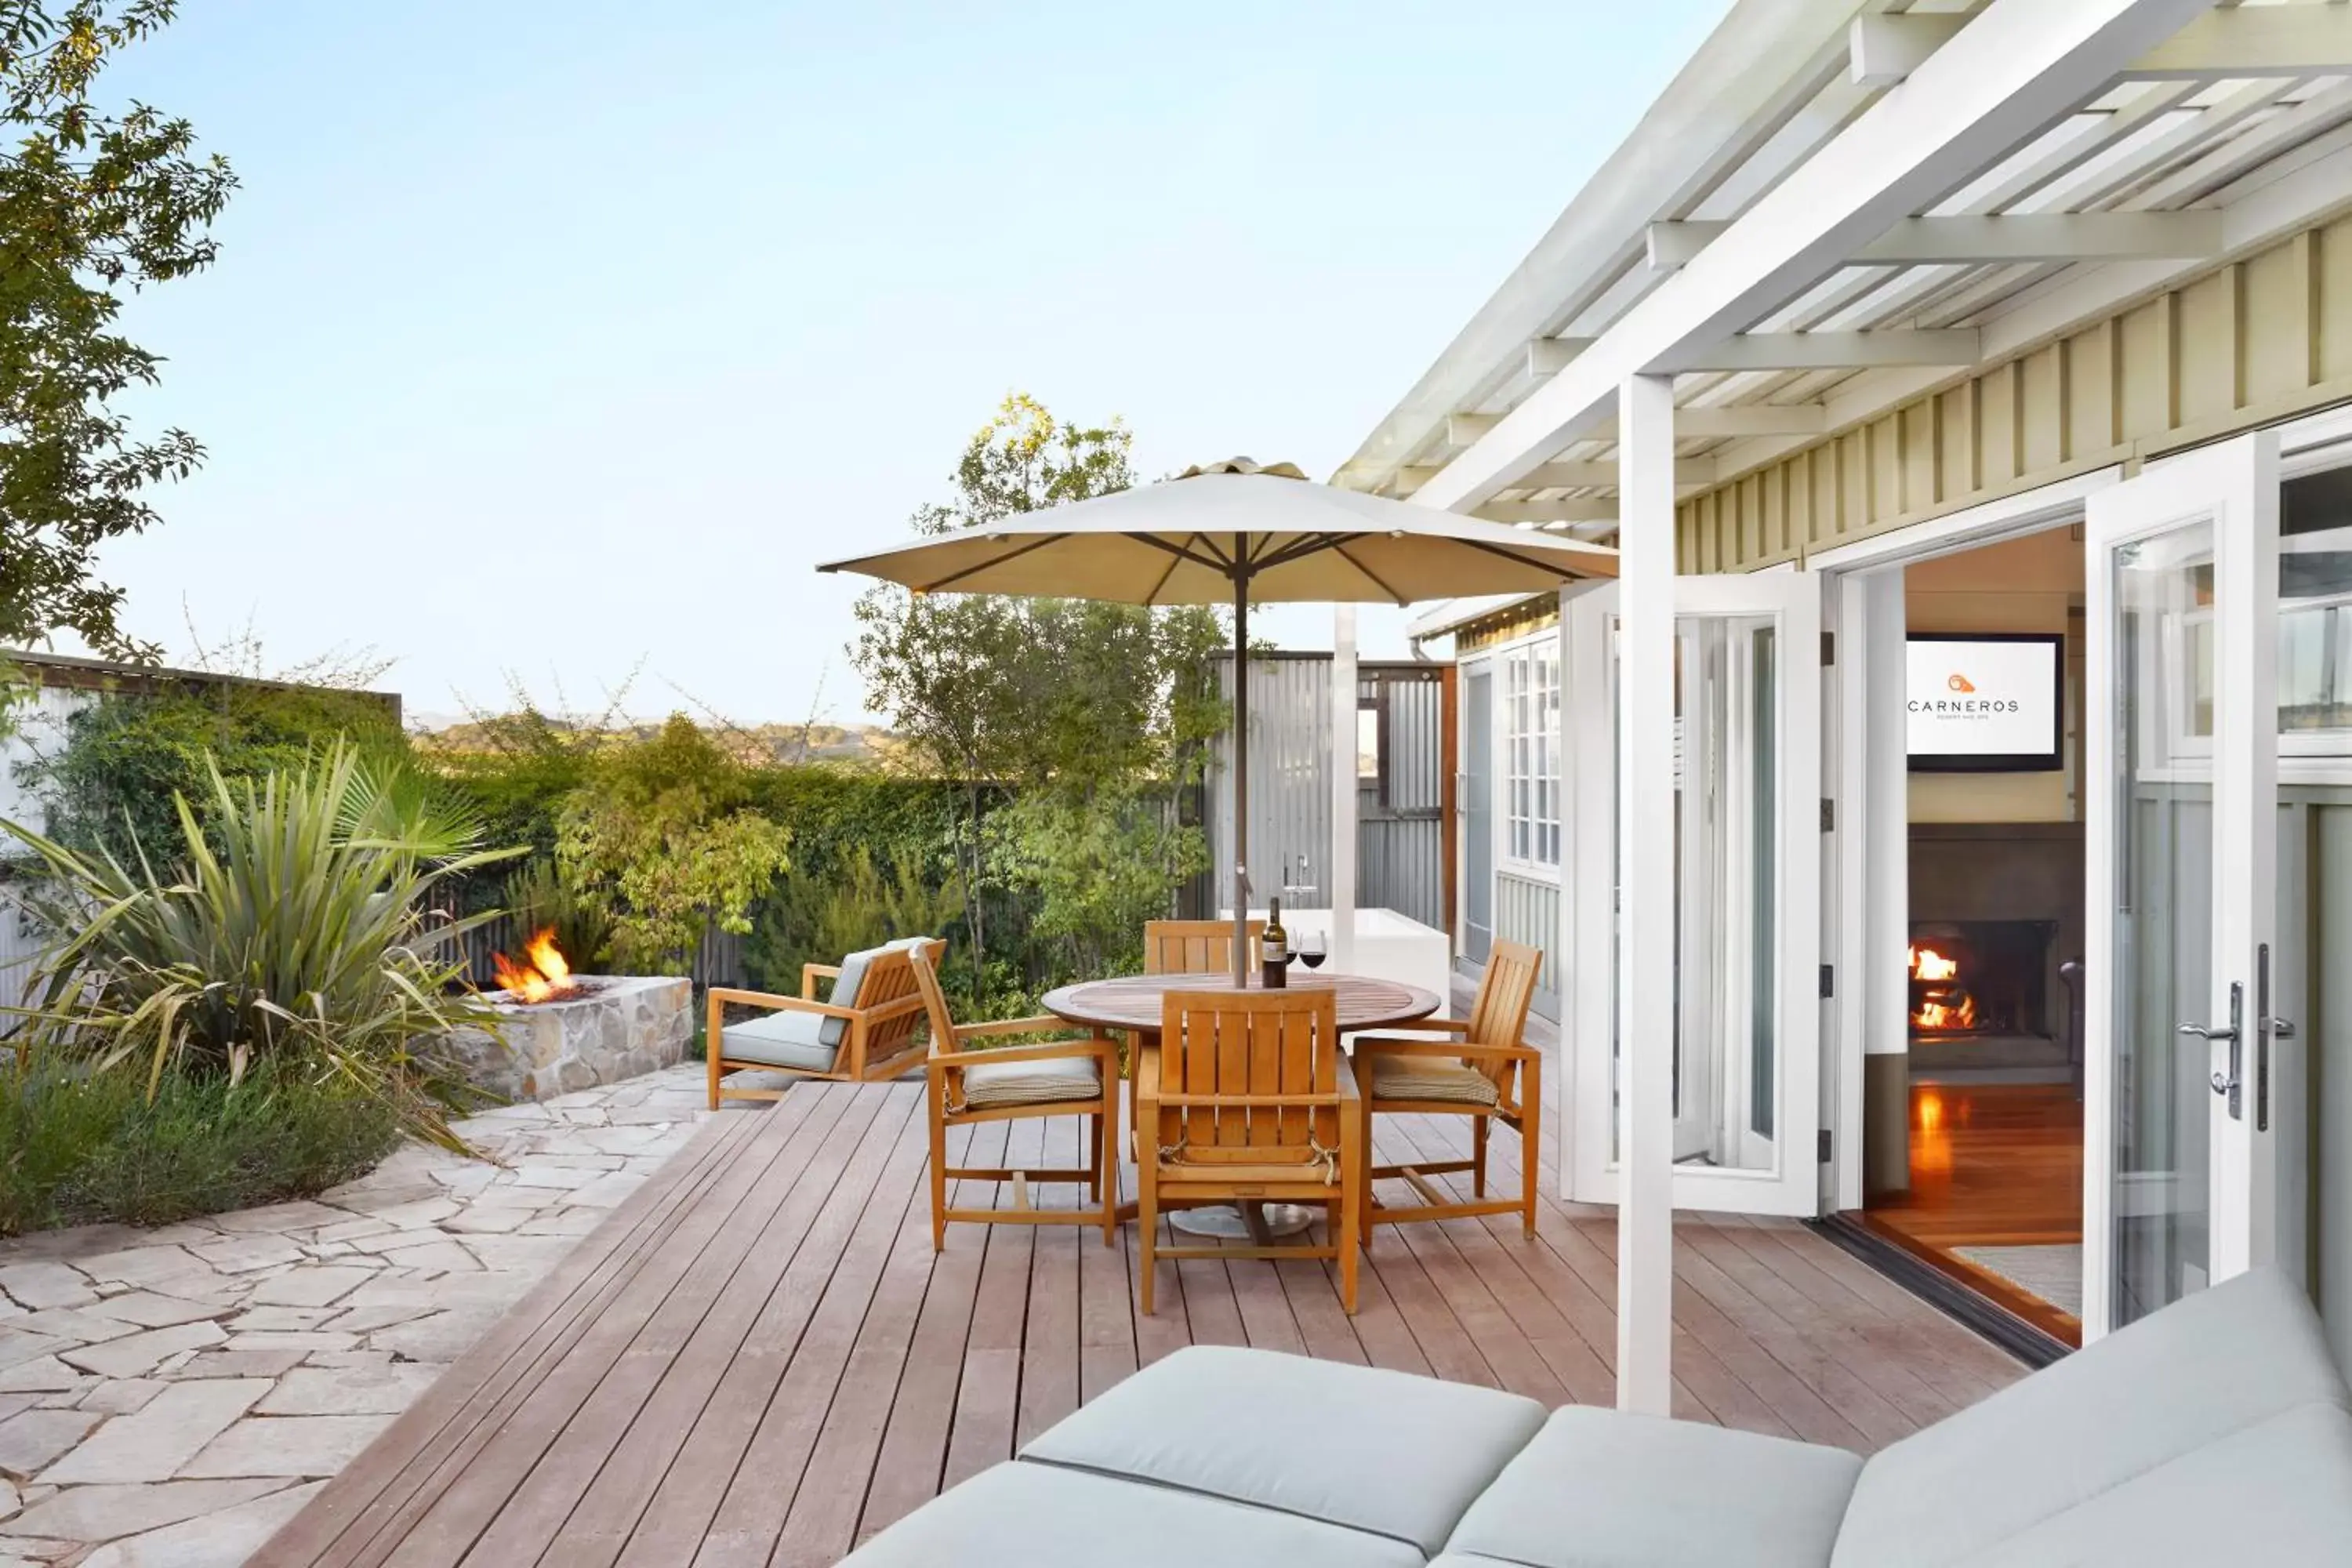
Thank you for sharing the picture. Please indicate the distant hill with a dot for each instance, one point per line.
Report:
(762, 744)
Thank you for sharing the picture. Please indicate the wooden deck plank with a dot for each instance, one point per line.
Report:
(634, 1463)
(991, 1398)
(761, 1358)
(752, 1516)
(915, 1442)
(1049, 1338)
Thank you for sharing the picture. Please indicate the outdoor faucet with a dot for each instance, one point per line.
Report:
(1290, 889)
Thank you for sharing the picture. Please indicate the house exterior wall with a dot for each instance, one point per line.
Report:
(2252, 342)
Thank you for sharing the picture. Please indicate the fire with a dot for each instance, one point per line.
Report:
(543, 974)
(1947, 1008)
(1927, 963)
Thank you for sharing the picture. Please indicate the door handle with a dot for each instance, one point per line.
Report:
(2266, 1029)
(2228, 1083)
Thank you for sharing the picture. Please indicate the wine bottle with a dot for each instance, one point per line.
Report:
(1275, 949)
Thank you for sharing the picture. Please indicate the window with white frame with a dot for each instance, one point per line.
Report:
(1532, 751)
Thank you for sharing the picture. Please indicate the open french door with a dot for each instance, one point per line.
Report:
(2181, 837)
(1747, 1005)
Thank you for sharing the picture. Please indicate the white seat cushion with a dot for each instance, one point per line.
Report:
(1388, 1452)
(2277, 1492)
(782, 1039)
(1040, 1516)
(1431, 1078)
(1031, 1083)
(1598, 1488)
(2204, 1368)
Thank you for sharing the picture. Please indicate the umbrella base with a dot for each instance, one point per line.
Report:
(1225, 1222)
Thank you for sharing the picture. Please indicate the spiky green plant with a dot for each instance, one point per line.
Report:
(302, 931)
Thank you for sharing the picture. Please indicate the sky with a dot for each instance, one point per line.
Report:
(551, 342)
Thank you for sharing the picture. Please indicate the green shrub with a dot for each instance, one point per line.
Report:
(307, 936)
(541, 899)
(79, 1148)
(111, 785)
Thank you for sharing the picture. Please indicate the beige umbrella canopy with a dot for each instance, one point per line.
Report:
(1234, 532)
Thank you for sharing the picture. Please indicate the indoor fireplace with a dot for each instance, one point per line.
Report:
(1973, 980)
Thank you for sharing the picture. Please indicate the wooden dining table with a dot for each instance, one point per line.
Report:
(1135, 1006)
(1135, 1003)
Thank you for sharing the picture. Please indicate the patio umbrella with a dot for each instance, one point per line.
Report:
(1235, 532)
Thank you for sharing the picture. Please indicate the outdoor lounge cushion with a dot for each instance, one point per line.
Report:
(1385, 1452)
(1430, 1078)
(2280, 1491)
(1039, 1516)
(1031, 1083)
(783, 1040)
(2206, 1368)
(1601, 1489)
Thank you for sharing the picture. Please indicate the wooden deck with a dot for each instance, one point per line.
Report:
(759, 1359)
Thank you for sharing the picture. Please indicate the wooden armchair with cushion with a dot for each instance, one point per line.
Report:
(1196, 947)
(865, 1030)
(1248, 1098)
(1491, 1075)
(1003, 1083)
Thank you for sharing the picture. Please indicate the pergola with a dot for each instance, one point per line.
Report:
(1836, 209)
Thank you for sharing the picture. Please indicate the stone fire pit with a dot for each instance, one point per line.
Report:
(613, 1027)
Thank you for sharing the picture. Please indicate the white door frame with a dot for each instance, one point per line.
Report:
(1867, 904)
(1788, 1184)
(2234, 486)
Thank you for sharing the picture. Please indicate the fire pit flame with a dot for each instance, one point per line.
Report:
(542, 976)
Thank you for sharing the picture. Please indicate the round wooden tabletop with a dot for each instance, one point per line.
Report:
(1134, 1001)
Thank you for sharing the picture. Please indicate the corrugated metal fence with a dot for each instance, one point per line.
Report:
(1400, 815)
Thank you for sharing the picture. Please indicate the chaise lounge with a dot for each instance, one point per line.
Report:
(2216, 1431)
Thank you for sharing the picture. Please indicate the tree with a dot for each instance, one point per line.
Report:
(90, 202)
(664, 839)
(1086, 709)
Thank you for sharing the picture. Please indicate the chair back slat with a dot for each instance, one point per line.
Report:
(890, 977)
(935, 999)
(1499, 1014)
(1275, 1046)
(1196, 947)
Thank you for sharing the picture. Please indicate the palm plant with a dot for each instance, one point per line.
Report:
(305, 935)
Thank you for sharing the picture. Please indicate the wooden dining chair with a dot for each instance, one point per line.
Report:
(1248, 1098)
(1490, 1075)
(1007, 1083)
(1197, 947)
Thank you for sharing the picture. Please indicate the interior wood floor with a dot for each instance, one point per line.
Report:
(1991, 1165)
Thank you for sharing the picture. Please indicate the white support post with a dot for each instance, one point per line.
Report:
(1343, 789)
(1645, 585)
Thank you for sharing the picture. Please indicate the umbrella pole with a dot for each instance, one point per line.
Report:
(1241, 767)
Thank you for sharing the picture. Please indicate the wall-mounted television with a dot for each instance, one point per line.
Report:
(1986, 702)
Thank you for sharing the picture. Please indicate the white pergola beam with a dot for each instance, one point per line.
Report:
(1468, 429)
(1883, 50)
(2018, 66)
(1544, 511)
(1742, 421)
(1549, 356)
(2052, 237)
(2255, 41)
(1581, 474)
(1832, 350)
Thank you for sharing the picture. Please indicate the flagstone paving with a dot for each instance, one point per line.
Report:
(172, 1397)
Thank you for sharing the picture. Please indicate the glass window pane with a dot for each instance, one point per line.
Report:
(2163, 892)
